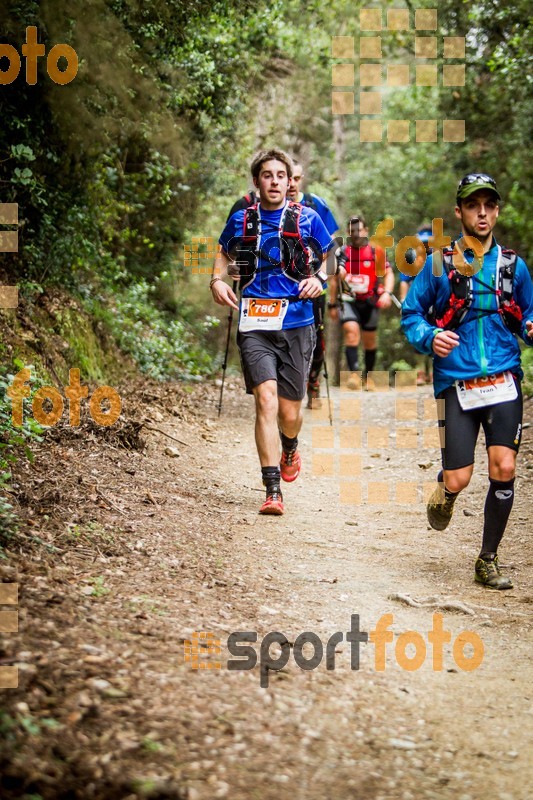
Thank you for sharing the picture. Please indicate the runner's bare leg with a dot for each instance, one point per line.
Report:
(266, 423)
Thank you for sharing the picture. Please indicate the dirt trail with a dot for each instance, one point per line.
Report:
(107, 707)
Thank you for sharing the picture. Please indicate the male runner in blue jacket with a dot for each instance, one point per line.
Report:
(476, 366)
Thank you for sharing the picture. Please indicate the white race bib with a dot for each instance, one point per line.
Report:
(258, 314)
(480, 392)
(359, 283)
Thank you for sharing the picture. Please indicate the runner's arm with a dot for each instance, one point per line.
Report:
(321, 244)
(313, 287)
(389, 281)
(405, 285)
(334, 282)
(422, 295)
(222, 293)
(388, 288)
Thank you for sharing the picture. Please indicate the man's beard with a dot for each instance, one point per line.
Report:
(481, 237)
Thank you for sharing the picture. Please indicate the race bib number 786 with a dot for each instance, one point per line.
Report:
(262, 314)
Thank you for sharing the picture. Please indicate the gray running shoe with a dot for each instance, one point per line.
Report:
(488, 573)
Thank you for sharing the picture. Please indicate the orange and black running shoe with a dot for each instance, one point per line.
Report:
(290, 465)
(273, 503)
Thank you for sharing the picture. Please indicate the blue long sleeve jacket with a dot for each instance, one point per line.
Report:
(486, 344)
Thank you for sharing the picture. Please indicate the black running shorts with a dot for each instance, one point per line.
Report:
(364, 312)
(502, 424)
(282, 356)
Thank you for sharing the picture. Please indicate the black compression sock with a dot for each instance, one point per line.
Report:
(498, 506)
(271, 477)
(370, 360)
(352, 359)
(289, 445)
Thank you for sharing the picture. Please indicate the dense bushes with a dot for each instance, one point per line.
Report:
(111, 170)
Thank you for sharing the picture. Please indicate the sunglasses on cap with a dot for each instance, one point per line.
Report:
(474, 181)
(476, 177)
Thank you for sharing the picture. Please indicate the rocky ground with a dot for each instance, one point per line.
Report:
(133, 541)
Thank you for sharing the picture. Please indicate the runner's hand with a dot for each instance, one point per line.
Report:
(444, 342)
(529, 328)
(310, 287)
(224, 295)
(384, 300)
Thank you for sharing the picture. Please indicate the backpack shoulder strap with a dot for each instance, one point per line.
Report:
(506, 275)
(308, 200)
(461, 296)
(509, 309)
(291, 222)
(447, 258)
(509, 259)
(250, 225)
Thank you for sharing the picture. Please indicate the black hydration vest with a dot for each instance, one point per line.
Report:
(461, 298)
(299, 259)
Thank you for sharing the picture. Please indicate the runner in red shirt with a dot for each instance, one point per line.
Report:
(362, 296)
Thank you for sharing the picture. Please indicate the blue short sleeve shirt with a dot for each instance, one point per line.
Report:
(270, 281)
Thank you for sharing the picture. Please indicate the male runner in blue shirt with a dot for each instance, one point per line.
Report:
(277, 248)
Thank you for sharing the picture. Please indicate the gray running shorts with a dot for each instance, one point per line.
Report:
(364, 312)
(282, 356)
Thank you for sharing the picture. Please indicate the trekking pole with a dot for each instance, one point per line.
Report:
(225, 364)
(395, 300)
(326, 376)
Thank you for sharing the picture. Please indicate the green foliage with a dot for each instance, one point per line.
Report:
(151, 746)
(110, 171)
(163, 347)
(152, 141)
(394, 350)
(527, 364)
